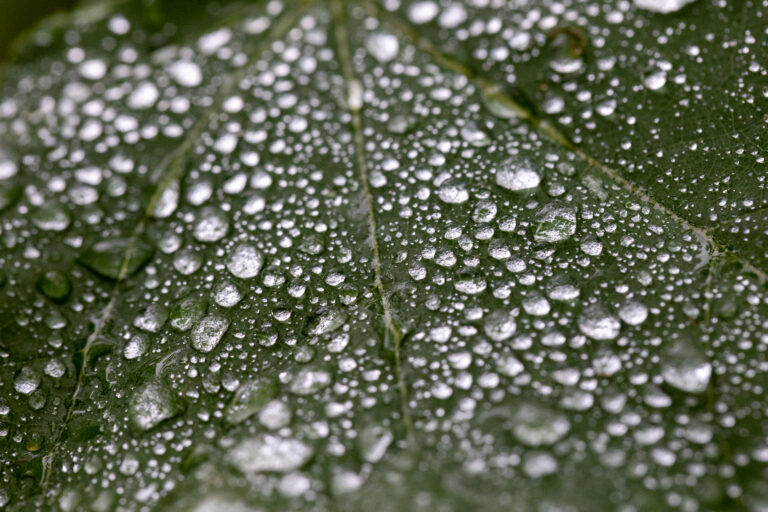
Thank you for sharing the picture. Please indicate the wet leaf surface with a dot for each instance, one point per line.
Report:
(395, 255)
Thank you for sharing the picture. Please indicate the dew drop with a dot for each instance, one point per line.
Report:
(598, 323)
(534, 425)
(249, 399)
(153, 403)
(518, 175)
(383, 46)
(208, 333)
(245, 261)
(270, 453)
(554, 222)
(453, 192)
(685, 367)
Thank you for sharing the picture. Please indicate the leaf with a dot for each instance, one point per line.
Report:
(390, 255)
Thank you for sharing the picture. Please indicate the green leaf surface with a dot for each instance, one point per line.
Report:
(387, 255)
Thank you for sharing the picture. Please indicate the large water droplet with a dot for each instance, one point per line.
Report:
(208, 333)
(249, 399)
(453, 192)
(597, 322)
(245, 261)
(106, 257)
(554, 222)
(534, 425)
(270, 453)
(153, 403)
(384, 47)
(662, 6)
(517, 174)
(500, 325)
(685, 367)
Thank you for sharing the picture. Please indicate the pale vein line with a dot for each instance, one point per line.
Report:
(491, 88)
(353, 87)
(168, 172)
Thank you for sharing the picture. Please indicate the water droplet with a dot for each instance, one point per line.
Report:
(685, 367)
(153, 403)
(374, 442)
(136, 347)
(518, 175)
(212, 225)
(453, 192)
(554, 222)
(654, 79)
(562, 288)
(51, 217)
(188, 312)
(275, 415)
(55, 285)
(539, 464)
(227, 294)
(383, 46)
(168, 201)
(470, 283)
(325, 321)
(26, 381)
(208, 333)
(598, 323)
(633, 312)
(475, 136)
(106, 257)
(309, 380)
(245, 261)
(535, 426)
(270, 453)
(249, 399)
(152, 318)
(186, 73)
(422, 11)
(662, 6)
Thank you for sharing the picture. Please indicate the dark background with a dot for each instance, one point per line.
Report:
(18, 15)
